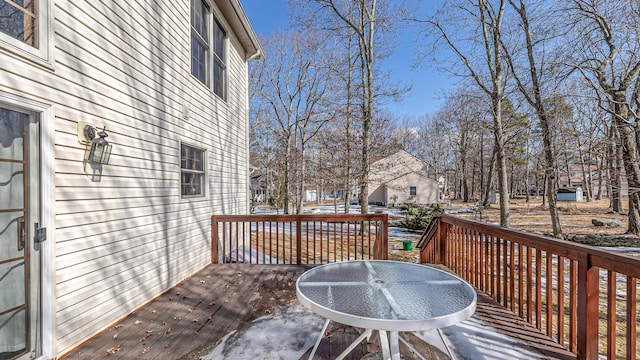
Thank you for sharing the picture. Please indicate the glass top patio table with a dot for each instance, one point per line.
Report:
(386, 295)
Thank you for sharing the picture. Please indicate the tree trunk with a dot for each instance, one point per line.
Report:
(601, 171)
(630, 160)
(287, 178)
(464, 186)
(614, 171)
(503, 185)
(487, 188)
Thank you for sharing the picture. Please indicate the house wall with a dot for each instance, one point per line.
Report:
(125, 236)
(391, 167)
(388, 176)
(378, 195)
(426, 190)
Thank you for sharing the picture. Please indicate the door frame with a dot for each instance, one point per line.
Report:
(46, 173)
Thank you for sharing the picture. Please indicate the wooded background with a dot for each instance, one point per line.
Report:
(547, 97)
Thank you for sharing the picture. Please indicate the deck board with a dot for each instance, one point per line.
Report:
(187, 321)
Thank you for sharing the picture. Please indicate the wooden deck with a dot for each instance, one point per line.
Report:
(190, 319)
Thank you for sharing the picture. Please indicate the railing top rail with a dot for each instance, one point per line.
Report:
(620, 263)
(303, 217)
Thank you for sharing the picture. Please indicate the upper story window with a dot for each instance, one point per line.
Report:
(413, 191)
(200, 40)
(22, 26)
(219, 65)
(208, 54)
(192, 171)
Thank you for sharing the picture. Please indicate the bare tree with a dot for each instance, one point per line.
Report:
(485, 66)
(366, 21)
(529, 81)
(607, 53)
(293, 88)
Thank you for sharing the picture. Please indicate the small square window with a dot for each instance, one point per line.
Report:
(192, 171)
(413, 191)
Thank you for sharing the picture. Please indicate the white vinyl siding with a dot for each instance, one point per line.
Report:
(125, 236)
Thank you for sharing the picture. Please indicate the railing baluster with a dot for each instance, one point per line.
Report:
(492, 272)
(539, 289)
(298, 240)
(505, 260)
(335, 244)
(549, 302)
(573, 302)
(560, 300)
(361, 240)
(529, 283)
(520, 292)
(476, 259)
(349, 241)
(499, 293)
(468, 255)
(611, 314)
(512, 272)
(632, 318)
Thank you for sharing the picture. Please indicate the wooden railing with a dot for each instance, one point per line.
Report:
(298, 239)
(584, 297)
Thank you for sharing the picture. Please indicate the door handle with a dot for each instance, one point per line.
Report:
(22, 233)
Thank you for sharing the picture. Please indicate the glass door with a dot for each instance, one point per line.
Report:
(19, 255)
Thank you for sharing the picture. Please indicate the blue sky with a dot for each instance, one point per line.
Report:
(268, 16)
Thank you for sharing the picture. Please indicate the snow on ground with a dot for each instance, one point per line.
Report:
(287, 336)
(278, 336)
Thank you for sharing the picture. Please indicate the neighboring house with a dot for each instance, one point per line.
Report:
(401, 178)
(168, 81)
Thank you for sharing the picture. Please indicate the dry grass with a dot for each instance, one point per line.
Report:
(575, 217)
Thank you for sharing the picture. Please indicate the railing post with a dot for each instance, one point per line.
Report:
(214, 240)
(385, 237)
(443, 233)
(298, 239)
(588, 311)
(381, 246)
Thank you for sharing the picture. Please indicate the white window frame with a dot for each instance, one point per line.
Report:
(203, 172)
(42, 54)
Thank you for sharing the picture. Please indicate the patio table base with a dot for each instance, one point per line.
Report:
(390, 344)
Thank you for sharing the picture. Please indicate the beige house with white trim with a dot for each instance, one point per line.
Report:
(401, 178)
(85, 239)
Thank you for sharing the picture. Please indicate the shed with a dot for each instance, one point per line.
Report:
(570, 194)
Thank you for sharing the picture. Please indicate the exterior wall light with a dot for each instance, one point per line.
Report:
(100, 150)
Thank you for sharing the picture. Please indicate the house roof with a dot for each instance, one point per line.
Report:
(235, 15)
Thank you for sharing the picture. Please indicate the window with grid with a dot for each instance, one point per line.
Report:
(200, 13)
(219, 66)
(208, 48)
(413, 191)
(18, 20)
(192, 171)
